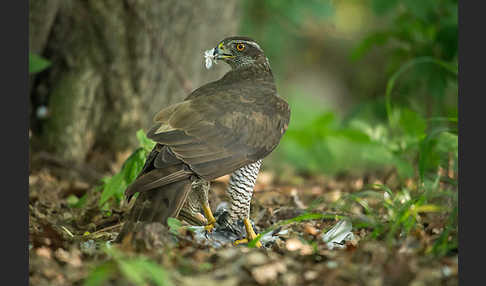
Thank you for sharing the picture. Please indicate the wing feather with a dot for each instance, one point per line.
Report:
(218, 133)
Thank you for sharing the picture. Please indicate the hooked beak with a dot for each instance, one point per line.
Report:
(220, 52)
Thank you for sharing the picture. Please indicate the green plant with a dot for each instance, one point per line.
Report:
(422, 35)
(412, 127)
(37, 63)
(324, 143)
(113, 187)
(393, 215)
(138, 270)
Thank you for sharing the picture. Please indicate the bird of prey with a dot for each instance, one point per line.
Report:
(224, 127)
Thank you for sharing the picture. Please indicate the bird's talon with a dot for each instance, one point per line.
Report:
(209, 227)
(246, 240)
(209, 215)
(251, 235)
(240, 241)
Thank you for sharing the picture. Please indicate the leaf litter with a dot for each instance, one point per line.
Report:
(308, 240)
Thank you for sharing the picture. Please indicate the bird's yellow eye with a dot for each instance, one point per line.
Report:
(240, 47)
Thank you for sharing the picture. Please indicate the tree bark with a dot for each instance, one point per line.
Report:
(115, 63)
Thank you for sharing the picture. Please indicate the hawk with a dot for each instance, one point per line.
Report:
(224, 127)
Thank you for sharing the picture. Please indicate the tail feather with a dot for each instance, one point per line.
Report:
(158, 178)
(163, 188)
(156, 205)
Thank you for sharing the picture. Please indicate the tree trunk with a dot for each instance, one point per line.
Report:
(115, 63)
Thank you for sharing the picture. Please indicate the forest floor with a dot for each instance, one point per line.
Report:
(71, 244)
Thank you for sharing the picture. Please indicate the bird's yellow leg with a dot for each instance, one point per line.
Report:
(250, 234)
(209, 216)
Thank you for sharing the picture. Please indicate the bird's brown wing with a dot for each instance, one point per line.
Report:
(160, 169)
(219, 133)
(209, 136)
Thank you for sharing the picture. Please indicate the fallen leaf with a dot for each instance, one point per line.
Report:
(268, 273)
(44, 252)
(293, 244)
(308, 228)
(338, 235)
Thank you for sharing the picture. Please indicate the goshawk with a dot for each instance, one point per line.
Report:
(224, 127)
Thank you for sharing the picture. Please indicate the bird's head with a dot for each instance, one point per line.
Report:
(240, 52)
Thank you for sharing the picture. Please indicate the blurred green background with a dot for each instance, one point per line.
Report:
(372, 84)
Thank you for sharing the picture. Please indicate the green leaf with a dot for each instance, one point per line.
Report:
(81, 201)
(100, 274)
(174, 225)
(428, 154)
(114, 185)
(72, 200)
(405, 67)
(145, 142)
(412, 123)
(132, 271)
(138, 270)
(37, 63)
(156, 273)
(127, 266)
(428, 208)
(133, 165)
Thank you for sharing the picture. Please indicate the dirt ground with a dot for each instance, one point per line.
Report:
(66, 242)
